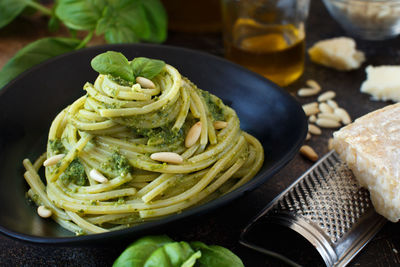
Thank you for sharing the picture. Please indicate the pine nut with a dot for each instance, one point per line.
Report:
(325, 108)
(313, 84)
(309, 153)
(145, 83)
(193, 135)
(97, 176)
(332, 103)
(53, 160)
(307, 92)
(220, 124)
(330, 143)
(169, 157)
(326, 96)
(308, 137)
(327, 123)
(312, 118)
(343, 115)
(329, 116)
(44, 212)
(310, 108)
(315, 130)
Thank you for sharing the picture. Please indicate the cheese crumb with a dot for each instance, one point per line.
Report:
(370, 146)
(383, 83)
(338, 53)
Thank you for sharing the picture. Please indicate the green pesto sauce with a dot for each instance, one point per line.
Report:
(117, 163)
(119, 80)
(162, 135)
(75, 173)
(214, 105)
(112, 106)
(120, 201)
(57, 147)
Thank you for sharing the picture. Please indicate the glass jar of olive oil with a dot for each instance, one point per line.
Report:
(266, 36)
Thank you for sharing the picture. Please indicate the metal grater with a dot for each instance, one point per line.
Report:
(328, 208)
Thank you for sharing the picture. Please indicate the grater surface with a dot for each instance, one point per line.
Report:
(327, 207)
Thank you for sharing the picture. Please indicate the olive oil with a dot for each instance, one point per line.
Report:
(274, 51)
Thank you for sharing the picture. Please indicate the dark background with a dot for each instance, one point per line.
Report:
(223, 226)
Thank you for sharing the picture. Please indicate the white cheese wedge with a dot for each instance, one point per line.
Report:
(339, 53)
(371, 148)
(383, 83)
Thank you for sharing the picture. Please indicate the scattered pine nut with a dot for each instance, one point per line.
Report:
(220, 124)
(332, 103)
(145, 83)
(308, 137)
(330, 143)
(329, 116)
(343, 115)
(307, 92)
(309, 153)
(310, 108)
(312, 118)
(169, 157)
(326, 96)
(315, 130)
(193, 135)
(44, 212)
(325, 108)
(327, 123)
(97, 176)
(313, 84)
(53, 160)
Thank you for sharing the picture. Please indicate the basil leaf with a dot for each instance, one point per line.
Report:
(216, 256)
(171, 254)
(33, 54)
(80, 14)
(113, 63)
(157, 19)
(192, 259)
(128, 21)
(53, 24)
(9, 10)
(139, 251)
(146, 67)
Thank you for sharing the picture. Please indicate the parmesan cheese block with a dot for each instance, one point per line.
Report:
(338, 53)
(383, 83)
(371, 148)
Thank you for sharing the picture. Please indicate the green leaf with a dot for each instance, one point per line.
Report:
(80, 14)
(113, 63)
(128, 21)
(157, 19)
(170, 255)
(35, 53)
(9, 10)
(216, 256)
(53, 24)
(139, 251)
(192, 259)
(146, 67)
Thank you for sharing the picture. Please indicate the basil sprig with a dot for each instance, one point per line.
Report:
(117, 65)
(161, 251)
(119, 21)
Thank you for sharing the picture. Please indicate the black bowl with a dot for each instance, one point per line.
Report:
(29, 103)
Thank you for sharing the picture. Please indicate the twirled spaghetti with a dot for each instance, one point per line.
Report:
(115, 129)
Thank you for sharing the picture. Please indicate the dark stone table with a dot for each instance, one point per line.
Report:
(223, 227)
